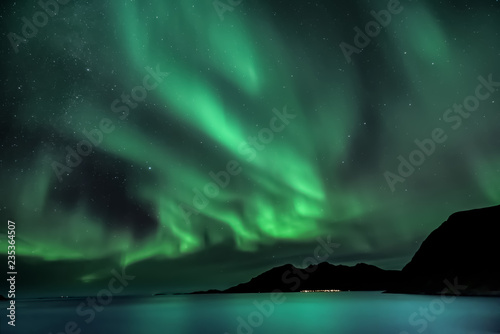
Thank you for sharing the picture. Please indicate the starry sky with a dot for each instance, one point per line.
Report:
(195, 143)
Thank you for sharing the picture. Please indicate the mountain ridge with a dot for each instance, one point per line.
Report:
(458, 257)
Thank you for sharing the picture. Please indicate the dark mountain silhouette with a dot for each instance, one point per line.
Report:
(323, 276)
(462, 252)
(460, 257)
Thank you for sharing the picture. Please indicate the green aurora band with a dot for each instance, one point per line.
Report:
(322, 175)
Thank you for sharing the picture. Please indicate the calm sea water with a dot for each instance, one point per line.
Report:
(342, 312)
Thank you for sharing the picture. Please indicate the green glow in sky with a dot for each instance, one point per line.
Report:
(322, 174)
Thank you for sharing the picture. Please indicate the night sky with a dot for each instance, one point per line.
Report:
(210, 142)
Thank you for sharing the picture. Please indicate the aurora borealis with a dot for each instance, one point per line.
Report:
(131, 202)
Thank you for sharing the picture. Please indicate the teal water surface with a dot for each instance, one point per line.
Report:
(341, 312)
